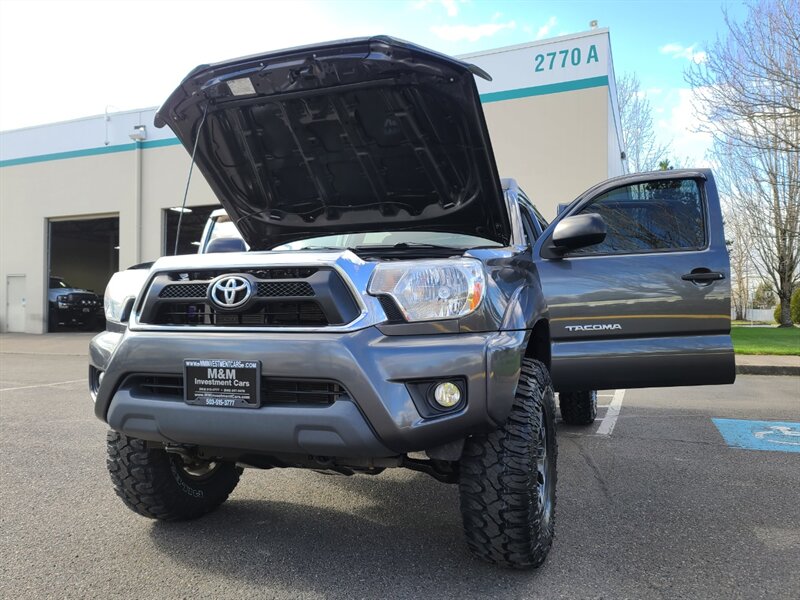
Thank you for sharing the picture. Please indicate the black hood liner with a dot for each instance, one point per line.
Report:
(359, 135)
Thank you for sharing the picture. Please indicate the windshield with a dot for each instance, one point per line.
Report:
(57, 282)
(224, 228)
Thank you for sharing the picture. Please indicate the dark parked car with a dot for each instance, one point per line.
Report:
(71, 306)
(397, 305)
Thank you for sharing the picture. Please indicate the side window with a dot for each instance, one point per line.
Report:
(542, 221)
(531, 233)
(654, 216)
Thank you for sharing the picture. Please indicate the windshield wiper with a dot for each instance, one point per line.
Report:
(325, 248)
(407, 245)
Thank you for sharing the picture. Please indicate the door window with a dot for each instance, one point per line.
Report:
(654, 216)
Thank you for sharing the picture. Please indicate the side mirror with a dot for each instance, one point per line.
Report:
(578, 231)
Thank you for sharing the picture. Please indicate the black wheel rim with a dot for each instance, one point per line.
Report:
(196, 469)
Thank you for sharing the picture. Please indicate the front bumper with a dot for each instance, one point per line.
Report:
(77, 314)
(377, 417)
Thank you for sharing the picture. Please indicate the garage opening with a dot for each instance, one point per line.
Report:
(192, 224)
(84, 254)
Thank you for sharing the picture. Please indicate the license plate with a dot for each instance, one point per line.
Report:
(86, 310)
(226, 383)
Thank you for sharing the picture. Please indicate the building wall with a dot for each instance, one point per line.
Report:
(553, 128)
(551, 109)
(553, 159)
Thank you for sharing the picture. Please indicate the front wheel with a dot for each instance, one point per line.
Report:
(162, 485)
(508, 478)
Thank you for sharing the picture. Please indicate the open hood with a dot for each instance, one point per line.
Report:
(371, 134)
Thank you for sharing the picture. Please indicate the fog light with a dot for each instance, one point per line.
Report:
(447, 394)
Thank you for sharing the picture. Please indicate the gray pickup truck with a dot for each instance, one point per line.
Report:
(396, 303)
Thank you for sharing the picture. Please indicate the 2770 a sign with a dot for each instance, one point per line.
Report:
(563, 59)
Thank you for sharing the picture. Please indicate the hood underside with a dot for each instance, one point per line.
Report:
(358, 135)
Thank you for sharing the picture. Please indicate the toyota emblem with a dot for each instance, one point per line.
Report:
(230, 291)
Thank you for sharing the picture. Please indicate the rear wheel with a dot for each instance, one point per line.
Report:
(578, 408)
(166, 486)
(508, 478)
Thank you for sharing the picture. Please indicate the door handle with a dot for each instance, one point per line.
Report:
(703, 276)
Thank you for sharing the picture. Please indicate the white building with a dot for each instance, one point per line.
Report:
(83, 198)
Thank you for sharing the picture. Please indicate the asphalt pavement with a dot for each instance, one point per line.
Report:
(652, 503)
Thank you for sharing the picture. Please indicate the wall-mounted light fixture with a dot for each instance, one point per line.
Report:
(139, 133)
(180, 209)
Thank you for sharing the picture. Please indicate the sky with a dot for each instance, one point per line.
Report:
(67, 59)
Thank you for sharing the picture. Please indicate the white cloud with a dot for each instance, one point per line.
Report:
(678, 123)
(545, 29)
(470, 33)
(687, 52)
(450, 6)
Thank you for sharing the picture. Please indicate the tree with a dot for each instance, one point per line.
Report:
(763, 297)
(741, 262)
(642, 149)
(748, 93)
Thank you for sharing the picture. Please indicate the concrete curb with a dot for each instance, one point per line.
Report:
(768, 370)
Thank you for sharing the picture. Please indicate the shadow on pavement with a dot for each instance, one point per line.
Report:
(404, 533)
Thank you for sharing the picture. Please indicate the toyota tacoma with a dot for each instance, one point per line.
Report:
(392, 301)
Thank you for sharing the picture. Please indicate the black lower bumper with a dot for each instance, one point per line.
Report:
(377, 416)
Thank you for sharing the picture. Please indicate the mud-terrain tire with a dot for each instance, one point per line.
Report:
(508, 478)
(159, 485)
(578, 408)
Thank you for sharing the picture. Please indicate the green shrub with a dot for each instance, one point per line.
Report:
(794, 309)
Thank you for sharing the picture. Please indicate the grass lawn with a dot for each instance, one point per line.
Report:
(766, 340)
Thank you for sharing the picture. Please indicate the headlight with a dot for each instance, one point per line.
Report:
(121, 291)
(431, 289)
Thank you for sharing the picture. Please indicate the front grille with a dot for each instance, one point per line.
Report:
(265, 289)
(273, 314)
(295, 391)
(274, 390)
(83, 299)
(184, 290)
(282, 297)
(275, 289)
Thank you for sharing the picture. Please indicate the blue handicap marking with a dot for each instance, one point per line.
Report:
(760, 435)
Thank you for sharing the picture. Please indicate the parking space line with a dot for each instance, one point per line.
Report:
(607, 426)
(28, 387)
